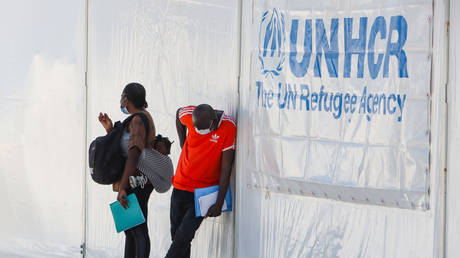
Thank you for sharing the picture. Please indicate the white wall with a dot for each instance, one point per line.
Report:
(42, 142)
(183, 52)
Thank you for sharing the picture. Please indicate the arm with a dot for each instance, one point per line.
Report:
(224, 181)
(181, 129)
(136, 145)
(130, 169)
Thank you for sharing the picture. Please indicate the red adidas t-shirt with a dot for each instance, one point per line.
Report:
(200, 159)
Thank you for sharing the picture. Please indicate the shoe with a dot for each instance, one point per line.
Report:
(135, 181)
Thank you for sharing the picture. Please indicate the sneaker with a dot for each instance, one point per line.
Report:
(135, 181)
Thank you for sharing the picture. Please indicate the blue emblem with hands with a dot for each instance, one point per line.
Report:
(272, 39)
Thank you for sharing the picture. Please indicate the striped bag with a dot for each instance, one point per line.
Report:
(158, 168)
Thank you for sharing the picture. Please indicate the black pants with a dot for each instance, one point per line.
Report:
(183, 223)
(137, 243)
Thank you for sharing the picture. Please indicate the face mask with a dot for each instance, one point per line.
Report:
(204, 131)
(124, 110)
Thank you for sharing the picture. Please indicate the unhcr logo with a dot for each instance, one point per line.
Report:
(272, 38)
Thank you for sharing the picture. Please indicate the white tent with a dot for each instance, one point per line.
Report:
(310, 180)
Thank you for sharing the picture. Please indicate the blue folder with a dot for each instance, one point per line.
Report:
(127, 218)
(208, 190)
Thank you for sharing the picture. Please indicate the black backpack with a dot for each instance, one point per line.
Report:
(105, 159)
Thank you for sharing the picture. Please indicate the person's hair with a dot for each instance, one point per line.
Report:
(164, 140)
(204, 111)
(135, 93)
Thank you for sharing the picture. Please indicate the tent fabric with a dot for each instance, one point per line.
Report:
(187, 52)
(183, 53)
(42, 142)
(284, 224)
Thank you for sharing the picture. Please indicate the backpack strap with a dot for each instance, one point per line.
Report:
(145, 120)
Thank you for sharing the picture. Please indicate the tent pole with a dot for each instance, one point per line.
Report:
(445, 137)
(237, 160)
(84, 196)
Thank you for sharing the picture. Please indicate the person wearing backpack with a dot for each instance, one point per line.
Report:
(135, 139)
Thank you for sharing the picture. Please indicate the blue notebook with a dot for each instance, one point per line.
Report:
(127, 218)
(206, 197)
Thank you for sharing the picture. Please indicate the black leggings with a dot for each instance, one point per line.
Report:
(137, 243)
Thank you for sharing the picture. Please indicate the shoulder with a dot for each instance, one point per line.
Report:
(226, 119)
(142, 118)
(139, 117)
(149, 116)
(184, 111)
(228, 124)
(136, 121)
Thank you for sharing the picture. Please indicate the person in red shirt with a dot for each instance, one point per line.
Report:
(207, 138)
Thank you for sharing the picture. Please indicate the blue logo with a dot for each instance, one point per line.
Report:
(272, 38)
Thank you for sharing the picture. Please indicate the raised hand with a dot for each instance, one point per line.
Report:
(106, 122)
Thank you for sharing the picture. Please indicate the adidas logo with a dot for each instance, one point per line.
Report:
(214, 138)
